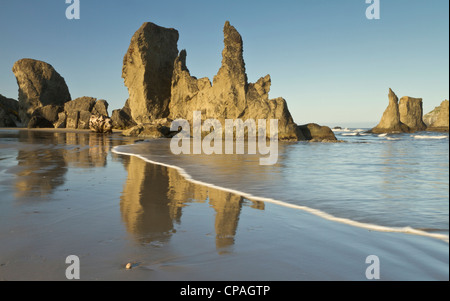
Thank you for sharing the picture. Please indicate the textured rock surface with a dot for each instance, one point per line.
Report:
(39, 85)
(432, 116)
(390, 122)
(61, 122)
(230, 96)
(100, 124)
(121, 119)
(80, 110)
(441, 124)
(101, 108)
(50, 112)
(9, 108)
(38, 121)
(147, 71)
(160, 128)
(411, 113)
(315, 132)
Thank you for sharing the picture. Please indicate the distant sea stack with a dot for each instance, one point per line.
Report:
(411, 113)
(147, 71)
(441, 119)
(390, 122)
(39, 85)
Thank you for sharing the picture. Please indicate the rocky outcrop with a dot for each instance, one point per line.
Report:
(9, 116)
(121, 118)
(39, 85)
(411, 112)
(159, 128)
(100, 124)
(316, 133)
(39, 122)
(390, 122)
(147, 71)
(441, 123)
(230, 96)
(432, 116)
(79, 111)
(50, 113)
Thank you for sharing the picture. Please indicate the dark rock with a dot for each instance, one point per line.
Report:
(315, 132)
(38, 121)
(9, 116)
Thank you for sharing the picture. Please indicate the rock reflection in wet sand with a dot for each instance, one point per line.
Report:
(44, 157)
(154, 196)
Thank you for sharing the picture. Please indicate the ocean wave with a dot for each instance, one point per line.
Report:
(428, 137)
(316, 212)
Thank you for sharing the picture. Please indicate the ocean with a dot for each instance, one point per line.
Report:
(387, 182)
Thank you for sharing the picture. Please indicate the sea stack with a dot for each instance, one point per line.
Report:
(230, 96)
(441, 123)
(147, 71)
(390, 122)
(39, 85)
(411, 113)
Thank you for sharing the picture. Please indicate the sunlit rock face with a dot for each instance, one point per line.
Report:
(39, 85)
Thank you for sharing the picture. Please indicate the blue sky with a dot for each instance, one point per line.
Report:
(331, 64)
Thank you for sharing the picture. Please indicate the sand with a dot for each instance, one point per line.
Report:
(65, 193)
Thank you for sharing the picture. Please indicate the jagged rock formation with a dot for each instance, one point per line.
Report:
(9, 108)
(79, 111)
(390, 122)
(230, 96)
(160, 86)
(147, 71)
(39, 85)
(441, 124)
(411, 112)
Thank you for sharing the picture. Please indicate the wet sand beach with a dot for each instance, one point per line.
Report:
(66, 193)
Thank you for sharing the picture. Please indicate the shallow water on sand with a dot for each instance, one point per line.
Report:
(398, 180)
(67, 194)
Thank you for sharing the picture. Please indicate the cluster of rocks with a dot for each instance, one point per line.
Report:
(161, 89)
(45, 101)
(406, 116)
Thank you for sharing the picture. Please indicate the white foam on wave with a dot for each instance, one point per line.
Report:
(350, 134)
(382, 135)
(319, 213)
(428, 137)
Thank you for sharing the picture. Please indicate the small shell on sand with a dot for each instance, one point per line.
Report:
(129, 266)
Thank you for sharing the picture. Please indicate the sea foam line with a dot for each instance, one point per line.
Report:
(319, 213)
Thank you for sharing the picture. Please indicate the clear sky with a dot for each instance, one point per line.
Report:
(331, 64)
